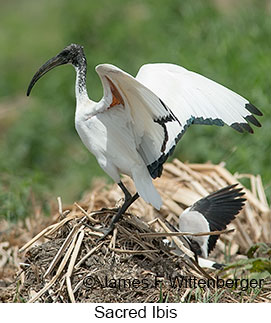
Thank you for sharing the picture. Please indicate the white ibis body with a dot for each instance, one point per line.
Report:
(211, 213)
(136, 125)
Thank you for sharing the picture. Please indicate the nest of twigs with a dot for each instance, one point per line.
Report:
(65, 263)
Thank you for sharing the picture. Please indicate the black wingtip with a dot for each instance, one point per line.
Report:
(241, 127)
(251, 108)
(236, 126)
(220, 208)
(230, 191)
(247, 127)
(253, 120)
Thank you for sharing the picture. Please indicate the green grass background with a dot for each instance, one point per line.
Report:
(42, 157)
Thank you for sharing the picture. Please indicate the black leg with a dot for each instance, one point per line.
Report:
(122, 210)
(125, 191)
(129, 199)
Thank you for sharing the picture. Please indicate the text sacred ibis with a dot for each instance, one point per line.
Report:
(136, 125)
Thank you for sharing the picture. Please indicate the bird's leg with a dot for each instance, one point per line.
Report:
(123, 209)
(129, 199)
(125, 191)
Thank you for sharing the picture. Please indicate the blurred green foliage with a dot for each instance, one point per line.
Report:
(41, 155)
(257, 265)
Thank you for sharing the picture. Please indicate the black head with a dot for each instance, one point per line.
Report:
(72, 54)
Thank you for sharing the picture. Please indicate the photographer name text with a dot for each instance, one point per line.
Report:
(243, 284)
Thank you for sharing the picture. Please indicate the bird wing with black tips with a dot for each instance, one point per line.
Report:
(219, 209)
(165, 99)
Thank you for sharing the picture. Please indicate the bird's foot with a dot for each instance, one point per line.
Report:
(117, 216)
(106, 232)
(115, 219)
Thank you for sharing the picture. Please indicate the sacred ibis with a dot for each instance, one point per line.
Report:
(211, 213)
(136, 125)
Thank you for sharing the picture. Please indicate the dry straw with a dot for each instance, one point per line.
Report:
(141, 232)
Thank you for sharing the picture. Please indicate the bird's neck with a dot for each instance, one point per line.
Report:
(80, 85)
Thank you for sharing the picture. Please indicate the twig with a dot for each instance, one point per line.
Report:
(260, 190)
(177, 241)
(112, 243)
(61, 250)
(72, 262)
(142, 243)
(134, 251)
(60, 209)
(59, 271)
(91, 219)
(88, 255)
(37, 237)
(172, 234)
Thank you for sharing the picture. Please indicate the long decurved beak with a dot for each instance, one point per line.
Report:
(50, 64)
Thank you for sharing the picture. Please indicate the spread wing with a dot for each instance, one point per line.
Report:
(164, 100)
(219, 209)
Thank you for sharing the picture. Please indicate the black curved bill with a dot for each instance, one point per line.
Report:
(50, 64)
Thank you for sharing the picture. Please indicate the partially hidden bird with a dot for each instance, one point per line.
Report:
(211, 213)
(139, 120)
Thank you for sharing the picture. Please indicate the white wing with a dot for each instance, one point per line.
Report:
(164, 99)
(196, 99)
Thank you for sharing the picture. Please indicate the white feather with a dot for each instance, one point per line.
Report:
(191, 94)
(195, 222)
(206, 263)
